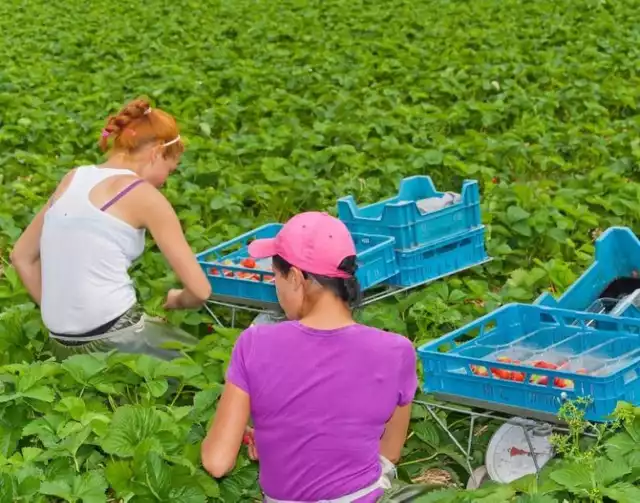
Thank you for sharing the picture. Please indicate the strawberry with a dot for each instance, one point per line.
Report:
(249, 263)
(214, 271)
(541, 380)
(501, 374)
(479, 371)
(559, 382)
(517, 376)
(541, 364)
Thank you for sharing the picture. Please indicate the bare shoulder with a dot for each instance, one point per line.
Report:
(148, 195)
(152, 209)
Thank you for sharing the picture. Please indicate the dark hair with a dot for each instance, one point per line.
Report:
(347, 289)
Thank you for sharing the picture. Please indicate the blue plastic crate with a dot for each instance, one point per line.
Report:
(400, 217)
(440, 258)
(455, 364)
(375, 257)
(617, 255)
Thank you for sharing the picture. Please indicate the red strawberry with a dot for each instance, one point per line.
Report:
(517, 376)
(541, 364)
(248, 263)
(501, 374)
(559, 382)
(479, 371)
(541, 380)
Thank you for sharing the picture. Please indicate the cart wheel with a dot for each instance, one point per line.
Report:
(478, 478)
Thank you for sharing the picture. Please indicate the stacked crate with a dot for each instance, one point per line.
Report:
(428, 245)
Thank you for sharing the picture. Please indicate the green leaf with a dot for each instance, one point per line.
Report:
(608, 471)
(73, 405)
(83, 367)
(43, 393)
(130, 426)
(119, 474)
(536, 498)
(433, 157)
(623, 492)
(158, 474)
(516, 214)
(427, 431)
(574, 477)
(90, 487)
(60, 488)
(158, 387)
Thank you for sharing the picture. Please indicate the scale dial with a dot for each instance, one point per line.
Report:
(508, 455)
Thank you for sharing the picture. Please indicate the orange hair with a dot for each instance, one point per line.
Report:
(137, 124)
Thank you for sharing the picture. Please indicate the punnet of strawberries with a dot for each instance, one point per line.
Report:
(519, 376)
(245, 263)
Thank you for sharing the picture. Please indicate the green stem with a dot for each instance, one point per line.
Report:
(175, 398)
(421, 460)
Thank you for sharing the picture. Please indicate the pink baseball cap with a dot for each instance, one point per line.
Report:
(313, 242)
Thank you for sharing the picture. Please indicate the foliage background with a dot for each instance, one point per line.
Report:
(287, 105)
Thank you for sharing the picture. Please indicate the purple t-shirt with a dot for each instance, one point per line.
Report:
(319, 403)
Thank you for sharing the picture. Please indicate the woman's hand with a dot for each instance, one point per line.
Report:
(250, 442)
(182, 299)
(173, 299)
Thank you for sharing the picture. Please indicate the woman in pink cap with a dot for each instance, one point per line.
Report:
(330, 399)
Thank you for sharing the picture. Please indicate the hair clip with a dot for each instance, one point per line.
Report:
(105, 133)
(175, 140)
(147, 111)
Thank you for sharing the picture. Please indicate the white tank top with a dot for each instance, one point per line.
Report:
(85, 255)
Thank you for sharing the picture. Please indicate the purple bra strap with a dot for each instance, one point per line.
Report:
(121, 194)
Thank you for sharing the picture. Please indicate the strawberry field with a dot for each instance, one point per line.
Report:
(286, 106)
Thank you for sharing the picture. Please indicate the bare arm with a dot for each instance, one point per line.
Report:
(160, 218)
(221, 446)
(395, 433)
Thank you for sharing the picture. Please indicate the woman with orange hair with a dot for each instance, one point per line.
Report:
(74, 256)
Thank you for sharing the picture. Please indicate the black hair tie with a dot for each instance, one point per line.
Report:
(349, 265)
